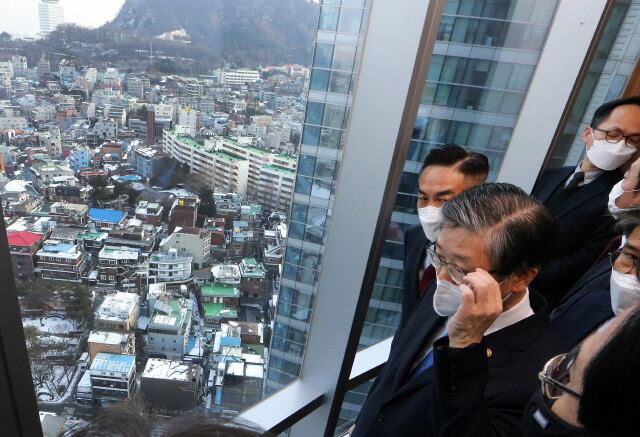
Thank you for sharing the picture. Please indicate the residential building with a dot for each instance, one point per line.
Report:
(64, 212)
(113, 376)
(169, 266)
(107, 218)
(49, 171)
(61, 261)
(117, 266)
(6, 69)
(195, 242)
(19, 65)
(221, 169)
(227, 274)
(184, 213)
(253, 276)
(51, 15)
(149, 212)
(118, 312)
(175, 385)
(169, 326)
(221, 293)
(238, 77)
(23, 246)
(143, 161)
(110, 342)
(12, 120)
(79, 159)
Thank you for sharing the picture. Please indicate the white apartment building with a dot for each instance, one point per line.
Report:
(226, 171)
(257, 158)
(51, 15)
(195, 242)
(169, 266)
(19, 65)
(237, 77)
(106, 129)
(188, 118)
(275, 188)
(45, 111)
(111, 76)
(6, 69)
(10, 120)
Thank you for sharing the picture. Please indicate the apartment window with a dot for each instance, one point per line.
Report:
(111, 277)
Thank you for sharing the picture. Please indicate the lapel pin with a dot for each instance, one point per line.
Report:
(489, 352)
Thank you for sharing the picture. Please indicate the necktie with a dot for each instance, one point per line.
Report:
(573, 183)
(428, 275)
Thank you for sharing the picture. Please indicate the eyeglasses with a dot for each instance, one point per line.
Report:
(456, 273)
(613, 136)
(627, 262)
(555, 376)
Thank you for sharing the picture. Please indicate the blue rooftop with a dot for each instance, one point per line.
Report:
(230, 341)
(106, 215)
(113, 362)
(62, 247)
(129, 177)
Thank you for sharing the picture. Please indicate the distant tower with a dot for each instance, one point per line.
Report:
(51, 15)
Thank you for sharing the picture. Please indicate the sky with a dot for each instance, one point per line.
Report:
(20, 17)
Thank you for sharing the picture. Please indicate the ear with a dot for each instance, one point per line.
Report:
(586, 135)
(520, 281)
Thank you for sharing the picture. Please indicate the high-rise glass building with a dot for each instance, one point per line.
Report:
(336, 56)
(51, 15)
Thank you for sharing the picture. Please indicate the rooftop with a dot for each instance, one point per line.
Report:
(23, 238)
(117, 253)
(220, 290)
(279, 169)
(218, 310)
(113, 362)
(157, 368)
(107, 337)
(106, 215)
(118, 306)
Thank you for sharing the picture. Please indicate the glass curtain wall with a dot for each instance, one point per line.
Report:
(614, 61)
(341, 26)
(484, 58)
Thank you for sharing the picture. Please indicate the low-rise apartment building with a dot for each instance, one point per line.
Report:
(113, 376)
(195, 242)
(121, 343)
(61, 261)
(169, 266)
(118, 312)
(169, 327)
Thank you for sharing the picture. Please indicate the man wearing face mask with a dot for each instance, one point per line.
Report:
(593, 390)
(607, 289)
(578, 196)
(467, 360)
(446, 171)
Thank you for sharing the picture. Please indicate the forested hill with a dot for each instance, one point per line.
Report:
(242, 32)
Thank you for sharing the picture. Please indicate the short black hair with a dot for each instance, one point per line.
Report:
(604, 111)
(471, 164)
(610, 384)
(519, 232)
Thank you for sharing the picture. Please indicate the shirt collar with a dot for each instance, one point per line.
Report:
(589, 176)
(518, 312)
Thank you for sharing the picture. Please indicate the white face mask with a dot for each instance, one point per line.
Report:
(447, 297)
(615, 193)
(625, 291)
(608, 156)
(429, 218)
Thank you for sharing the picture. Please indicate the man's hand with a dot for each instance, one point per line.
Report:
(481, 305)
(351, 429)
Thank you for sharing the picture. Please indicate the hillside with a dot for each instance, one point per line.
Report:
(242, 32)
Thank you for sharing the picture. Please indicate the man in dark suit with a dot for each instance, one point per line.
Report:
(446, 171)
(604, 291)
(578, 196)
(466, 362)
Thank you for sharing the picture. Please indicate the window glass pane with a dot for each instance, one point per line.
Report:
(303, 185)
(339, 82)
(311, 135)
(325, 168)
(296, 230)
(319, 80)
(330, 138)
(350, 20)
(343, 57)
(299, 212)
(321, 189)
(333, 116)
(328, 18)
(306, 165)
(322, 55)
(314, 113)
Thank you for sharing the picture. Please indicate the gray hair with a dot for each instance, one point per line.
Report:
(518, 232)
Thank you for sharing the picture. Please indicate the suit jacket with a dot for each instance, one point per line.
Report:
(586, 306)
(465, 392)
(415, 243)
(586, 229)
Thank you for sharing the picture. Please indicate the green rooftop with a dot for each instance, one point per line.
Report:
(290, 157)
(158, 316)
(252, 349)
(90, 235)
(279, 169)
(219, 290)
(228, 157)
(214, 310)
